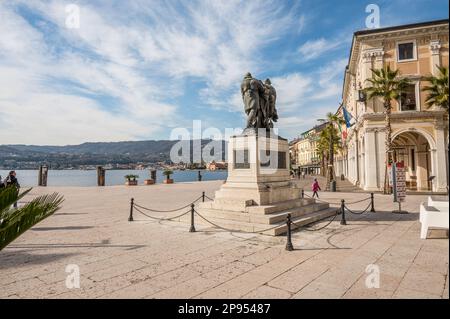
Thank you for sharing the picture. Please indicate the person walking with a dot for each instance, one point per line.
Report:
(11, 180)
(316, 188)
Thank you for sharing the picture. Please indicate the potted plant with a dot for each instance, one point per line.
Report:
(131, 180)
(167, 174)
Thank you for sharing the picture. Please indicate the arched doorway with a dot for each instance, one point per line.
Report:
(414, 150)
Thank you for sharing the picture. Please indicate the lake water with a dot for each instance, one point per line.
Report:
(112, 177)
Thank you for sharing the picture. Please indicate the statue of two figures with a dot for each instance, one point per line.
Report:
(259, 102)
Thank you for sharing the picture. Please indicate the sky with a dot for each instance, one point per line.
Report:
(136, 70)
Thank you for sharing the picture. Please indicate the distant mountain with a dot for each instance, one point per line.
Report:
(101, 153)
(99, 147)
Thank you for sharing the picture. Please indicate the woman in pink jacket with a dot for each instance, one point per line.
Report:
(315, 188)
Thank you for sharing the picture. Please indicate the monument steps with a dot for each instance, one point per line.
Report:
(279, 227)
(307, 219)
(268, 219)
(269, 209)
(242, 221)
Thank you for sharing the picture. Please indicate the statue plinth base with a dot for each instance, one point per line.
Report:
(259, 191)
(258, 170)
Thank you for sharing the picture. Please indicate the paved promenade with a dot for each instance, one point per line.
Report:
(161, 259)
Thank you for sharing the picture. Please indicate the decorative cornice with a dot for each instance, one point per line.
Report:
(435, 47)
(374, 129)
(406, 115)
(406, 32)
(378, 53)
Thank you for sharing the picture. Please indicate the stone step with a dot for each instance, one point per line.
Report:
(269, 209)
(276, 229)
(306, 220)
(267, 219)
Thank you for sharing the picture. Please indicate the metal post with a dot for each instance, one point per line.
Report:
(303, 193)
(203, 197)
(289, 246)
(130, 218)
(343, 221)
(372, 203)
(192, 229)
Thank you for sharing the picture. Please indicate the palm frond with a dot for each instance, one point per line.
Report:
(437, 89)
(16, 221)
(8, 196)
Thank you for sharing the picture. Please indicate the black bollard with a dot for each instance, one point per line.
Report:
(303, 193)
(130, 218)
(203, 197)
(343, 221)
(289, 246)
(192, 229)
(372, 203)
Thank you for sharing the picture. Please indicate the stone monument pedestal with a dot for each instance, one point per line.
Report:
(259, 191)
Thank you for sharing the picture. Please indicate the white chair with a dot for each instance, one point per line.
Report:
(434, 213)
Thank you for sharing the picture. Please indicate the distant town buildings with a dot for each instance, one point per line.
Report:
(213, 166)
(304, 154)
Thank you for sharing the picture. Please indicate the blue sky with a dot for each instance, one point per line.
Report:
(135, 70)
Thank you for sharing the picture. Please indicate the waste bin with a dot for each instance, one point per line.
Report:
(332, 186)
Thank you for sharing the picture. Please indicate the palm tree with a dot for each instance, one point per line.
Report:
(438, 89)
(15, 221)
(329, 143)
(167, 173)
(322, 147)
(387, 85)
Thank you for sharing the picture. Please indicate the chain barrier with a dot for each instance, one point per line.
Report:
(322, 201)
(289, 222)
(308, 228)
(358, 213)
(166, 211)
(139, 208)
(158, 218)
(336, 203)
(235, 230)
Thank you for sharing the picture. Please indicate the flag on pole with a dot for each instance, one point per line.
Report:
(347, 117)
(343, 133)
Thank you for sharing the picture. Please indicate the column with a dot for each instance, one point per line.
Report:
(381, 151)
(439, 161)
(370, 161)
(435, 47)
(365, 74)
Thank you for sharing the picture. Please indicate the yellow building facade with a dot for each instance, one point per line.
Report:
(419, 133)
(304, 151)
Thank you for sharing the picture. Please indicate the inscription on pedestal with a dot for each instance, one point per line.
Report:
(273, 159)
(240, 159)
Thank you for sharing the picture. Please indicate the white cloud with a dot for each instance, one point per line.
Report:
(137, 54)
(112, 78)
(313, 49)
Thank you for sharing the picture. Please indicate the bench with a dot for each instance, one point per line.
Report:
(434, 213)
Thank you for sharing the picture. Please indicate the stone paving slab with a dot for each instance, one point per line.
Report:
(161, 259)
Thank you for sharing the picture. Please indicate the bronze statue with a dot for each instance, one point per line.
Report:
(259, 102)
